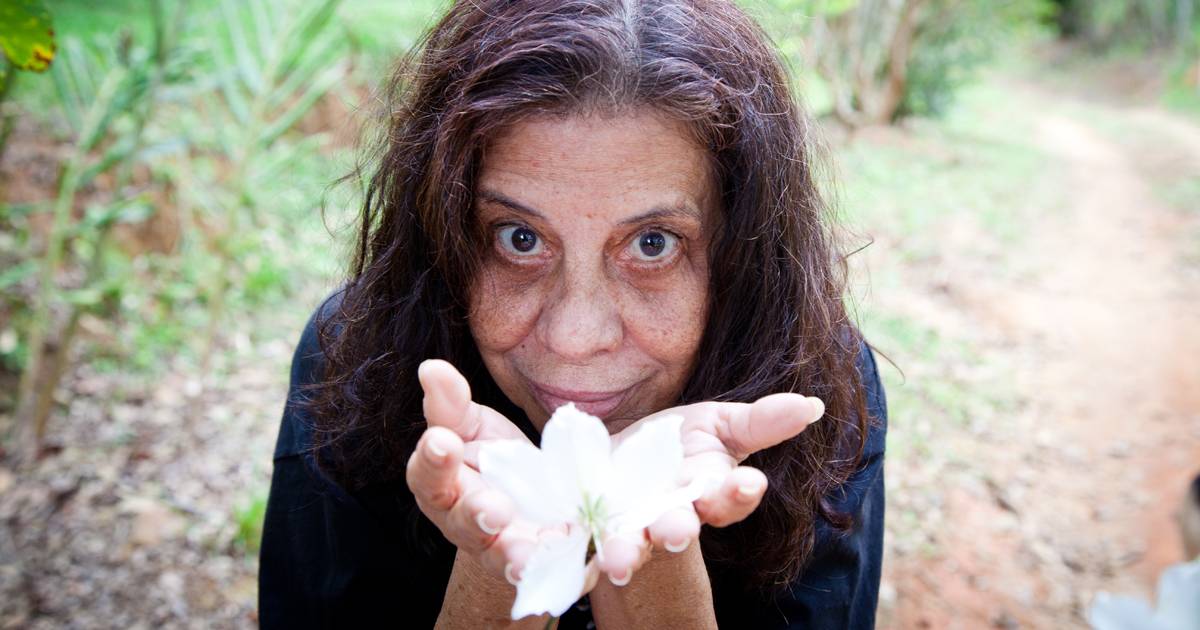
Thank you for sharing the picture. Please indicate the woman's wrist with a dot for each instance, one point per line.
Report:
(671, 590)
(477, 599)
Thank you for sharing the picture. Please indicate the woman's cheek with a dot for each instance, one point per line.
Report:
(668, 323)
(504, 309)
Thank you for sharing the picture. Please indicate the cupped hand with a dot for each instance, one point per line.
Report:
(449, 491)
(443, 473)
(717, 438)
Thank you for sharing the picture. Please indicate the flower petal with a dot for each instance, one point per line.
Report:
(554, 576)
(1179, 596)
(519, 469)
(636, 516)
(577, 448)
(646, 467)
(1109, 612)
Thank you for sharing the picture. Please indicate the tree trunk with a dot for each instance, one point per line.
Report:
(899, 53)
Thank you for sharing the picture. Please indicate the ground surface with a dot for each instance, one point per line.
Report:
(1049, 418)
(1071, 487)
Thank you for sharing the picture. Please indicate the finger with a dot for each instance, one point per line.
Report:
(738, 496)
(675, 530)
(471, 453)
(511, 551)
(447, 403)
(766, 422)
(622, 555)
(432, 472)
(475, 521)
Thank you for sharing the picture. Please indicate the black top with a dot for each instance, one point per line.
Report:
(332, 559)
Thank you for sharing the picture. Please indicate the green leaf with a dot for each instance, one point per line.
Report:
(67, 95)
(104, 107)
(315, 91)
(10, 211)
(306, 29)
(234, 99)
(102, 217)
(84, 297)
(27, 34)
(321, 51)
(75, 77)
(17, 273)
(116, 153)
(247, 64)
(262, 28)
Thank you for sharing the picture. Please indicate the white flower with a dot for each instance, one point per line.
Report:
(1178, 604)
(577, 479)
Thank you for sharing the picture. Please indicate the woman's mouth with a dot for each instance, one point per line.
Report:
(599, 404)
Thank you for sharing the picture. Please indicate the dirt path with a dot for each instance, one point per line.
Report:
(1103, 330)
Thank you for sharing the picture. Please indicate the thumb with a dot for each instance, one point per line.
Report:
(447, 400)
(448, 404)
(767, 422)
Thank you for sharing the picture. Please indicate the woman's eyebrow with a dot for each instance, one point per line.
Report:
(682, 210)
(678, 211)
(516, 206)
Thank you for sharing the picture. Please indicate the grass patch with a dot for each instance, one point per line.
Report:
(979, 164)
(248, 521)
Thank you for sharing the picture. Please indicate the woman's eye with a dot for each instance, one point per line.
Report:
(654, 245)
(520, 240)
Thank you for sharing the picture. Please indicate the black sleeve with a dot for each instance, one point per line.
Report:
(332, 559)
(839, 589)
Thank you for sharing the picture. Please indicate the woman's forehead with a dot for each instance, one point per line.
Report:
(633, 155)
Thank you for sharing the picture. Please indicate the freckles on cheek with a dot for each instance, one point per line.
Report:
(503, 312)
(669, 326)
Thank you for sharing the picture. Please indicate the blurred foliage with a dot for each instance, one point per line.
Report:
(956, 40)
(156, 215)
(1139, 24)
(106, 95)
(27, 40)
(874, 61)
(26, 35)
(280, 66)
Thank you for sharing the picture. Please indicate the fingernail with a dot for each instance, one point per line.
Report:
(439, 452)
(508, 574)
(621, 581)
(819, 405)
(481, 521)
(747, 491)
(677, 547)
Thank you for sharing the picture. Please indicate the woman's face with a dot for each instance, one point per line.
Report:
(593, 288)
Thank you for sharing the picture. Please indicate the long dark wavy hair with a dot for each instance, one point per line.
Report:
(776, 319)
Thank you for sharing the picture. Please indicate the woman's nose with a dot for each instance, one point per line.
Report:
(583, 321)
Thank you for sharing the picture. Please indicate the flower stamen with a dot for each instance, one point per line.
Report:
(594, 516)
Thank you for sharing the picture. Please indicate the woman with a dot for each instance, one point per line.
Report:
(603, 202)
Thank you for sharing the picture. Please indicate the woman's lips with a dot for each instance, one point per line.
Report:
(599, 404)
